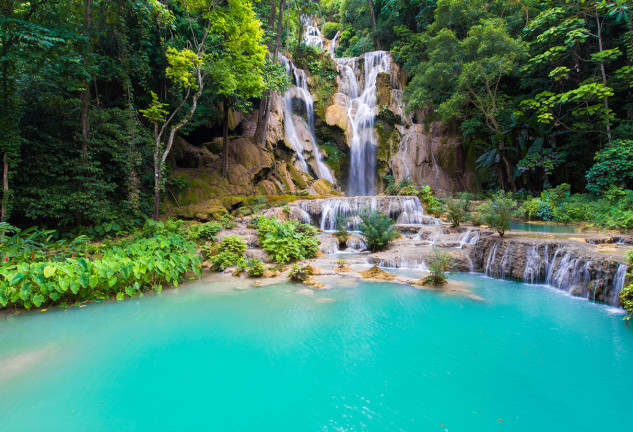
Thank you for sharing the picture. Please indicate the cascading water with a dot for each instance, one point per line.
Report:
(334, 44)
(361, 110)
(300, 90)
(567, 269)
(404, 210)
(312, 35)
(618, 283)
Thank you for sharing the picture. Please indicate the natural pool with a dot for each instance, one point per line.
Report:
(367, 356)
(543, 227)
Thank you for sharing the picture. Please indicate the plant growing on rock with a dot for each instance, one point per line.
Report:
(454, 212)
(287, 241)
(207, 231)
(227, 221)
(377, 229)
(430, 203)
(439, 264)
(231, 250)
(254, 267)
(497, 212)
(341, 234)
(298, 273)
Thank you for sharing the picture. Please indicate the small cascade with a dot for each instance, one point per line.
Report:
(334, 44)
(312, 35)
(533, 265)
(403, 209)
(300, 90)
(398, 263)
(567, 268)
(362, 112)
(490, 261)
(470, 237)
(618, 284)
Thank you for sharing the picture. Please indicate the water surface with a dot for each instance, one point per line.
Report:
(367, 356)
(544, 227)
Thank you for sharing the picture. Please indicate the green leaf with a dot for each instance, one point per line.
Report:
(130, 291)
(49, 271)
(112, 281)
(38, 299)
(120, 296)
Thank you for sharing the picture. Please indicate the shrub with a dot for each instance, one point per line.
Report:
(231, 250)
(614, 166)
(377, 229)
(207, 231)
(129, 269)
(329, 29)
(341, 233)
(227, 221)
(392, 188)
(254, 267)
(429, 201)
(455, 212)
(439, 263)
(498, 211)
(287, 241)
(298, 273)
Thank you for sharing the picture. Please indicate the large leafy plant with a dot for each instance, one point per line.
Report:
(287, 241)
(377, 229)
(130, 269)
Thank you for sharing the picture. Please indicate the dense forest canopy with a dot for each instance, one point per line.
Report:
(93, 92)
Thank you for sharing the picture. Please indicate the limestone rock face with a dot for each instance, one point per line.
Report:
(336, 115)
(324, 188)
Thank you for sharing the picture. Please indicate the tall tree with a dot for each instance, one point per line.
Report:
(238, 61)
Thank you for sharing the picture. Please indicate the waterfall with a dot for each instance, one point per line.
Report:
(532, 272)
(300, 90)
(362, 112)
(490, 261)
(403, 209)
(618, 284)
(470, 237)
(567, 269)
(334, 44)
(312, 35)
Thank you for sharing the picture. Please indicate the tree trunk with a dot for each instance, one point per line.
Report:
(373, 22)
(265, 105)
(85, 93)
(271, 22)
(5, 188)
(287, 34)
(157, 179)
(225, 139)
(604, 77)
(280, 25)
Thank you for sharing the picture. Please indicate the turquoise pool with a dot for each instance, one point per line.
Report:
(543, 227)
(369, 356)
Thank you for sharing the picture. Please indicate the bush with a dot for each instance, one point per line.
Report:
(129, 269)
(254, 267)
(377, 229)
(287, 241)
(431, 204)
(341, 233)
(439, 263)
(231, 250)
(614, 166)
(455, 212)
(207, 231)
(330, 29)
(497, 212)
(227, 221)
(298, 273)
